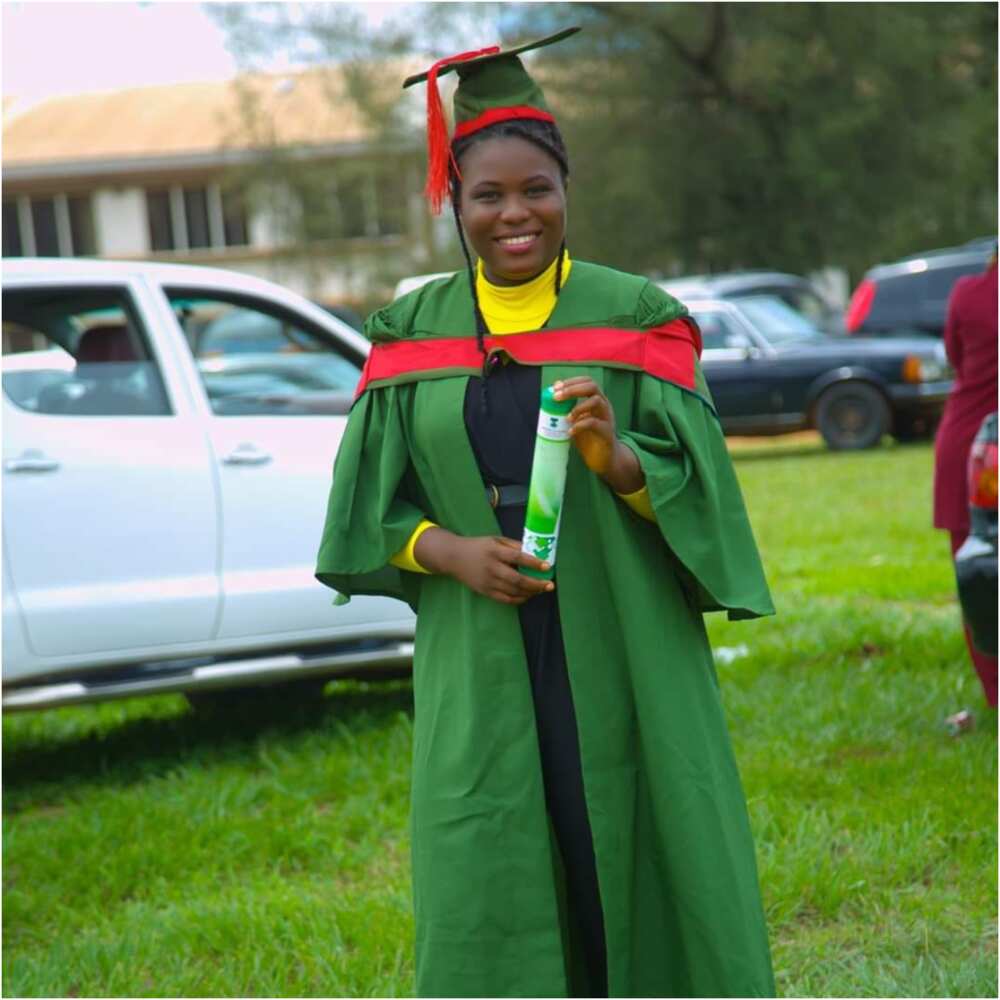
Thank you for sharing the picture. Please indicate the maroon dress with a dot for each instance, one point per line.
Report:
(970, 339)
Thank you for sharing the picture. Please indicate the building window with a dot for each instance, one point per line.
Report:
(352, 201)
(234, 219)
(43, 221)
(12, 245)
(196, 217)
(390, 205)
(371, 203)
(57, 225)
(81, 226)
(161, 227)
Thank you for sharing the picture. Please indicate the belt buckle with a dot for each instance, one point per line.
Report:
(494, 495)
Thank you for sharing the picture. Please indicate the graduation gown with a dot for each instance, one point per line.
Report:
(675, 861)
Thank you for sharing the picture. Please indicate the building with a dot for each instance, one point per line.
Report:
(279, 176)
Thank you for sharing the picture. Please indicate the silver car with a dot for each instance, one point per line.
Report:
(169, 435)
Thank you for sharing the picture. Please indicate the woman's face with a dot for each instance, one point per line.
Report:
(513, 206)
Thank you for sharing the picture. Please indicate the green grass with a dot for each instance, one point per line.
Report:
(152, 852)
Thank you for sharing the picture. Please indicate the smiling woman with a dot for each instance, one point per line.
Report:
(578, 824)
(512, 198)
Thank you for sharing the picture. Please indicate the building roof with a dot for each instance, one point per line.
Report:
(305, 108)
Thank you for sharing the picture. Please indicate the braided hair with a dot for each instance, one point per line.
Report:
(547, 137)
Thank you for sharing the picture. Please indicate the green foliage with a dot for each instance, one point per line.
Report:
(780, 135)
(149, 851)
(706, 136)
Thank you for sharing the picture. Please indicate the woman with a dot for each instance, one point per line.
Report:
(970, 340)
(578, 825)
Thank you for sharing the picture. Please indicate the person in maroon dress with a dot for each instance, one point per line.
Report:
(970, 339)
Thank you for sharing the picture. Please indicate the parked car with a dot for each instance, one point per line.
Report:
(168, 439)
(976, 559)
(771, 371)
(800, 293)
(911, 295)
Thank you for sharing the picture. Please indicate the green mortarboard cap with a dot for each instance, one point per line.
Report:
(493, 86)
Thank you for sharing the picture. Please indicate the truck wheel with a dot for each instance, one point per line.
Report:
(258, 697)
(852, 415)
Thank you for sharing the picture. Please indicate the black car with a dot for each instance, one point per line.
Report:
(911, 295)
(976, 560)
(771, 371)
(794, 290)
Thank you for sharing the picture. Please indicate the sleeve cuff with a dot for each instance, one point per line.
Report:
(404, 558)
(639, 502)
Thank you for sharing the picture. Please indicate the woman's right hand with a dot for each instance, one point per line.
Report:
(487, 564)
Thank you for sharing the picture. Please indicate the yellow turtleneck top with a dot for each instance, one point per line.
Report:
(516, 309)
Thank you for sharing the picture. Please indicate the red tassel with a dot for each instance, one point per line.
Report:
(438, 146)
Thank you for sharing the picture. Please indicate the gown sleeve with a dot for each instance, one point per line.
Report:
(371, 513)
(693, 490)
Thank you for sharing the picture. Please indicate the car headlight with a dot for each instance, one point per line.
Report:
(924, 368)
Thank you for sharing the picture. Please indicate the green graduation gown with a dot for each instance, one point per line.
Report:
(675, 859)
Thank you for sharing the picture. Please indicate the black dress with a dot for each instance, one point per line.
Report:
(501, 428)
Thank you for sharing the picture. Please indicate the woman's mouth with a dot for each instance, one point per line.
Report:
(521, 243)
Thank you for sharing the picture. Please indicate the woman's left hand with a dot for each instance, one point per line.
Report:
(593, 432)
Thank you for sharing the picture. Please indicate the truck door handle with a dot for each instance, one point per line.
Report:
(31, 460)
(247, 454)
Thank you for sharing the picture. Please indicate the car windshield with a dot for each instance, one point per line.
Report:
(777, 321)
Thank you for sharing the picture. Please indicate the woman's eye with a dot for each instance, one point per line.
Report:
(535, 191)
(486, 196)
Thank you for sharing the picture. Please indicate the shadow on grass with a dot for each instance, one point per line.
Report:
(771, 448)
(122, 751)
(751, 453)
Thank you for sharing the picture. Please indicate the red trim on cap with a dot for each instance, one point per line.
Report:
(493, 115)
(667, 352)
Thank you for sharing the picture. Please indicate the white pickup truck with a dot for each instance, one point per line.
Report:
(168, 441)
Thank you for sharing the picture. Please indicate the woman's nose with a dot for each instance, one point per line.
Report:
(513, 210)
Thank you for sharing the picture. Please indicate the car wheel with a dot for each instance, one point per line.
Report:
(852, 415)
(239, 699)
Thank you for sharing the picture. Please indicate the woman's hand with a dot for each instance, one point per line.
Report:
(593, 432)
(486, 564)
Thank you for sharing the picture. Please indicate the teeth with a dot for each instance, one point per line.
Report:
(516, 240)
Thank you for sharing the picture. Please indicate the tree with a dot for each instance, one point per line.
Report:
(706, 136)
(780, 135)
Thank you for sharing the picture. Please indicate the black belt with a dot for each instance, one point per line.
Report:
(506, 496)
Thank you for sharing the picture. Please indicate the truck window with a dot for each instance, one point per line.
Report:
(254, 358)
(79, 352)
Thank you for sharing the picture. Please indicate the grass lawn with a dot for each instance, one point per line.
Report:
(152, 852)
